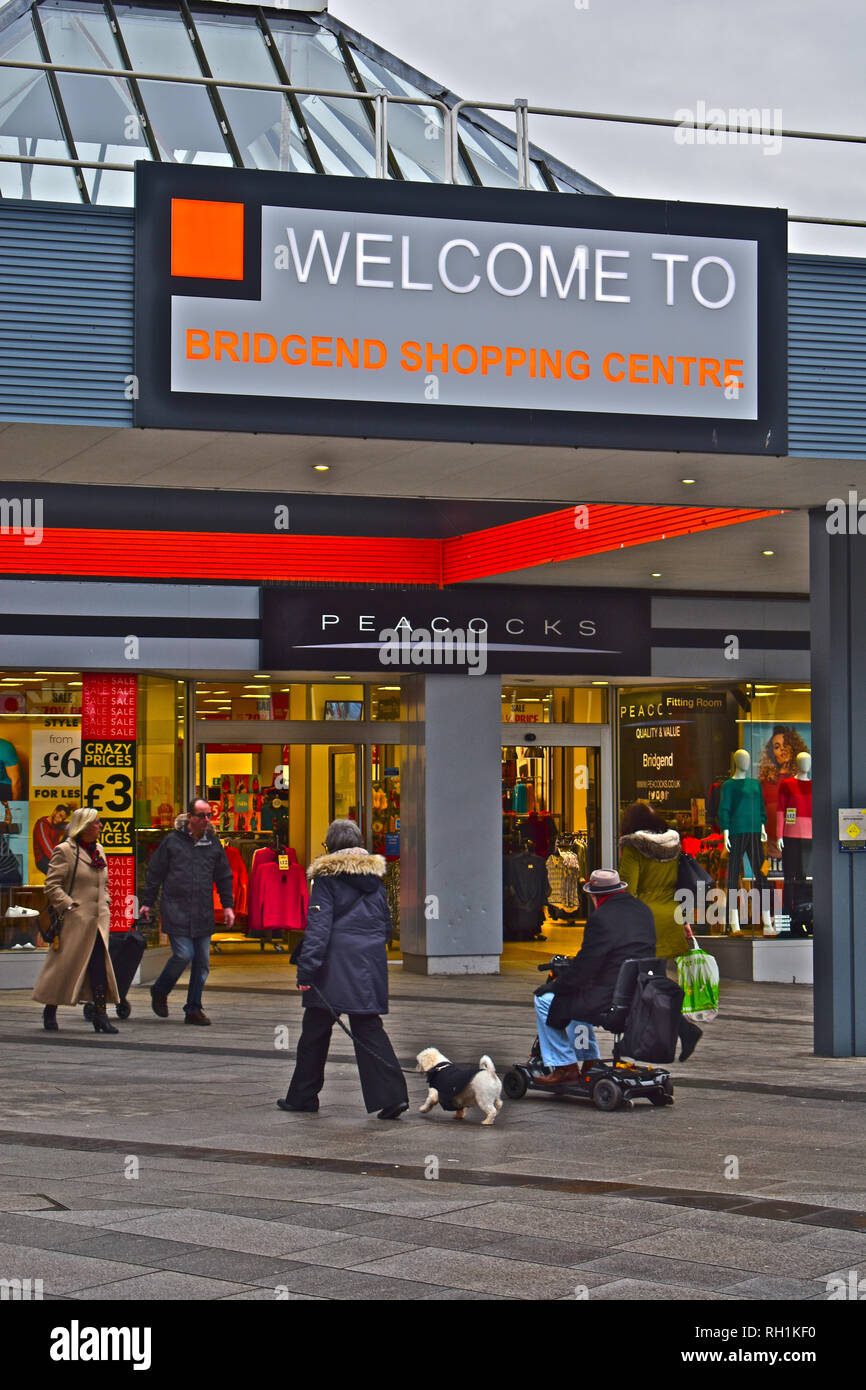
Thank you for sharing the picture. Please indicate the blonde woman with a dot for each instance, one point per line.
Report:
(76, 885)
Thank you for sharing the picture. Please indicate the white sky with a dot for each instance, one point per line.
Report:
(806, 58)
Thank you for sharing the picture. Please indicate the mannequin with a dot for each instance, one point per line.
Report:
(741, 817)
(794, 828)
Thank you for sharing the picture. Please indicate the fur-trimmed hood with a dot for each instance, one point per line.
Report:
(347, 861)
(661, 846)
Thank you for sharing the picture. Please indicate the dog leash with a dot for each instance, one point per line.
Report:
(409, 1071)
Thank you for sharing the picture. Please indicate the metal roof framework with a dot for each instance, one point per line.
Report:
(222, 104)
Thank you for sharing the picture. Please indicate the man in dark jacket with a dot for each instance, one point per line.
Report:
(187, 865)
(620, 928)
(343, 968)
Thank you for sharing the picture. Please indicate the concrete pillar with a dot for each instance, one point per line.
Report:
(451, 825)
(838, 622)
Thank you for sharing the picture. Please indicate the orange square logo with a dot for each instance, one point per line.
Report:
(207, 239)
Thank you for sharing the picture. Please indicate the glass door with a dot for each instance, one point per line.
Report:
(556, 820)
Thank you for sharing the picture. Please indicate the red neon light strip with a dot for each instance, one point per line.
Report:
(194, 555)
(544, 540)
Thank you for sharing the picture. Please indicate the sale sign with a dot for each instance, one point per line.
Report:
(109, 712)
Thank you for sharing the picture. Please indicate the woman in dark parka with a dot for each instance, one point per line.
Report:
(343, 959)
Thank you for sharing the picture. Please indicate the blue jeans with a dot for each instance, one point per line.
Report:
(561, 1048)
(192, 951)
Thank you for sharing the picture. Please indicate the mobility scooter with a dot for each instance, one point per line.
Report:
(612, 1085)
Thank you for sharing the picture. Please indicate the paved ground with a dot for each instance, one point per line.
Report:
(155, 1164)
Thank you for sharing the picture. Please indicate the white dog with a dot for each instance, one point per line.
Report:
(456, 1088)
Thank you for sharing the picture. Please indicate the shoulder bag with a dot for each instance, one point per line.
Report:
(50, 929)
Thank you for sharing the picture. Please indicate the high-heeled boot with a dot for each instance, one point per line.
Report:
(49, 1018)
(100, 1017)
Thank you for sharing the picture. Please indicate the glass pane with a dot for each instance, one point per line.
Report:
(101, 111)
(181, 117)
(29, 124)
(341, 129)
(495, 162)
(263, 124)
(415, 133)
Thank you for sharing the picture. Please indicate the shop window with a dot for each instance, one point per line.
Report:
(538, 704)
(40, 787)
(679, 749)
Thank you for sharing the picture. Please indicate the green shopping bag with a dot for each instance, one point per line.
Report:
(699, 980)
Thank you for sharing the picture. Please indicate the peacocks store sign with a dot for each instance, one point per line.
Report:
(346, 306)
(488, 629)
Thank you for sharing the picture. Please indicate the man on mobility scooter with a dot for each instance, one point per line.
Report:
(583, 992)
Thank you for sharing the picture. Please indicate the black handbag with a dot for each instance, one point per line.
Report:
(690, 873)
(49, 929)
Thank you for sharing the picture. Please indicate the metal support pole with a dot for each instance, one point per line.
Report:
(380, 115)
(521, 105)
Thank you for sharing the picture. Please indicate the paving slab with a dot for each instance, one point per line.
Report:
(480, 1272)
(163, 1284)
(226, 1232)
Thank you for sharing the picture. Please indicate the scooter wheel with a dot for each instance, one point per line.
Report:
(124, 1009)
(514, 1085)
(659, 1098)
(606, 1095)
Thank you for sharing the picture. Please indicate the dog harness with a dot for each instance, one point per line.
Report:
(448, 1081)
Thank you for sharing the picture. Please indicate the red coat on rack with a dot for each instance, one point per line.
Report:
(278, 897)
(240, 880)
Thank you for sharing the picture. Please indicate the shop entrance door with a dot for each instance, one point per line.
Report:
(557, 818)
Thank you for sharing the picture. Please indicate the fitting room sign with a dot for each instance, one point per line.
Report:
(285, 303)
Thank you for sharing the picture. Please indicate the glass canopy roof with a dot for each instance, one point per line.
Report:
(115, 121)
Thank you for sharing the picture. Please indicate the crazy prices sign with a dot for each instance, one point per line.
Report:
(290, 303)
(109, 705)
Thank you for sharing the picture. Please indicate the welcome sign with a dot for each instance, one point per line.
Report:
(300, 304)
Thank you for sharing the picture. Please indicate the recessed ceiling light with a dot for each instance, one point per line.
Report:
(342, 678)
(768, 552)
(261, 676)
(656, 574)
(688, 481)
(321, 467)
(600, 682)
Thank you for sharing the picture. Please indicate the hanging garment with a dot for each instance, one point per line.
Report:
(278, 897)
(527, 889)
(240, 880)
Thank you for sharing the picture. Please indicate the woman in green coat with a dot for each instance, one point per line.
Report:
(649, 856)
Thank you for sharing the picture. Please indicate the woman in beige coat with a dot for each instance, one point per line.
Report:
(81, 968)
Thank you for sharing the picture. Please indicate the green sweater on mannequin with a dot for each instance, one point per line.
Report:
(741, 806)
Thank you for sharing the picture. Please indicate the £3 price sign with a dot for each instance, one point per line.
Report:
(108, 779)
